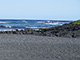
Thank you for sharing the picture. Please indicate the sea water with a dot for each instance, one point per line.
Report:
(10, 24)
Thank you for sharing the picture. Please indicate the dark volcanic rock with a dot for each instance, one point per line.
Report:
(66, 30)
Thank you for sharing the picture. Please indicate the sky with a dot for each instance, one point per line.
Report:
(40, 9)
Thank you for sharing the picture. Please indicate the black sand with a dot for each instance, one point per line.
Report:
(30, 47)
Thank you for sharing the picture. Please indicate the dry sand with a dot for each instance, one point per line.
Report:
(30, 47)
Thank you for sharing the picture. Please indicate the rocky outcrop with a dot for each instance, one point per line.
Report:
(66, 30)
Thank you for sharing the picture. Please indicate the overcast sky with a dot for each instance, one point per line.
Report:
(40, 9)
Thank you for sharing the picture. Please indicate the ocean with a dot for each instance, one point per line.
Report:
(10, 24)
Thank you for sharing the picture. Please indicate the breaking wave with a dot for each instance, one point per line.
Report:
(24, 24)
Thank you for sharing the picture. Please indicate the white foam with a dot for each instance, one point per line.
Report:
(50, 23)
(31, 27)
(40, 22)
(3, 22)
(25, 21)
(55, 23)
(7, 30)
(8, 26)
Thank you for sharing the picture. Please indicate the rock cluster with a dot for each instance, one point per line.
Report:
(66, 30)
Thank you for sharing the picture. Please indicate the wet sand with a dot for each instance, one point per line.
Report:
(31, 47)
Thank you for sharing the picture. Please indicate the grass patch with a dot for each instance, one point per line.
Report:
(76, 22)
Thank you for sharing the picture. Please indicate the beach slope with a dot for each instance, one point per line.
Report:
(31, 47)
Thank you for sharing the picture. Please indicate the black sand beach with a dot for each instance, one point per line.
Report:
(31, 47)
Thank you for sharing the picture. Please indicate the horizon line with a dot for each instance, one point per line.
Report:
(34, 19)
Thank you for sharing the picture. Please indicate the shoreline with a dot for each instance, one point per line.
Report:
(66, 30)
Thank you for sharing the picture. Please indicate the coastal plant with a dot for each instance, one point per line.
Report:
(76, 22)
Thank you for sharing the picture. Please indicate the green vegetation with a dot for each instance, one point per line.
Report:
(76, 22)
